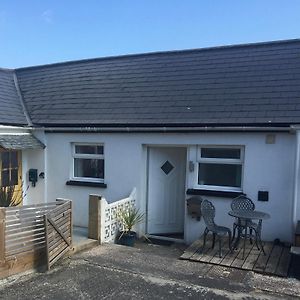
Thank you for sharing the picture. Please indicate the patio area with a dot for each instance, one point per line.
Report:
(275, 262)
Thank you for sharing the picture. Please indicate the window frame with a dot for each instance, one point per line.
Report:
(86, 156)
(229, 161)
(10, 168)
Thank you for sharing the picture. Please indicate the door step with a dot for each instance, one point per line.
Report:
(165, 238)
(84, 245)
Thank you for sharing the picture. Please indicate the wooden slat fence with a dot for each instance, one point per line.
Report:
(23, 235)
(58, 226)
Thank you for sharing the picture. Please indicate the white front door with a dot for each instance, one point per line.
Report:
(166, 190)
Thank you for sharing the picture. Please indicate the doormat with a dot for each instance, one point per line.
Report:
(159, 242)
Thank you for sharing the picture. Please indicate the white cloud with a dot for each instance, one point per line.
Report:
(47, 16)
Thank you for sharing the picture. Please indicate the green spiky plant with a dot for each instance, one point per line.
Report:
(10, 196)
(128, 218)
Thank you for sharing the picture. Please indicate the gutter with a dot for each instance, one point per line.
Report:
(294, 128)
(164, 129)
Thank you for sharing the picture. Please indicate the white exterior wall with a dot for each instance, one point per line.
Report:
(34, 159)
(268, 167)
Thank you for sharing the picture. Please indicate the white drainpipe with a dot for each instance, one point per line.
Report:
(296, 178)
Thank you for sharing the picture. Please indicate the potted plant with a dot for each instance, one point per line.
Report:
(128, 218)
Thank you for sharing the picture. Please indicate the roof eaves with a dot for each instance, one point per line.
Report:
(166, 125)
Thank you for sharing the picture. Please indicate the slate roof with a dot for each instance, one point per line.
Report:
(11, 111)
(20, 141)
(251, 84)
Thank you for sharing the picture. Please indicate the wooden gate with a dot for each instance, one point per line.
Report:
(58, 231)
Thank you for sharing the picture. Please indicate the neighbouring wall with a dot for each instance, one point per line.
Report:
(268, 167)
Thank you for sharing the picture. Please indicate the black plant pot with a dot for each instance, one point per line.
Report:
(127, 238)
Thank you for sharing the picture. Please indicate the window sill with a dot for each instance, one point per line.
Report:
(205, 192)
(86, 183)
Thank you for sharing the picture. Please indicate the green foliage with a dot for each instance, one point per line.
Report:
(129, 218)
(10, 196)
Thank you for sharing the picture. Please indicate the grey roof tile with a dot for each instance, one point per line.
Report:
(11, 112)
(21, 141)
(243, 84)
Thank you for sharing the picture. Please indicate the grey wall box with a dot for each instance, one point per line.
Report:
(194, 207)
(33, 176)
(263, 196)
(270, 138)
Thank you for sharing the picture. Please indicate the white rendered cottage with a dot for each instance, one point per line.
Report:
(213, 122)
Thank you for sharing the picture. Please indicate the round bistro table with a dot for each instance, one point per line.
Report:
(247, 216)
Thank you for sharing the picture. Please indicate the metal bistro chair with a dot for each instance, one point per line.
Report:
(243, 203)
(208, 212)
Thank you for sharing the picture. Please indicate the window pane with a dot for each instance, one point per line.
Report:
(92, 168)
(14, 177)
(5, 160)
(221, 153)
(88, 149)
(5, 178)
(220, 174)
(13, 159)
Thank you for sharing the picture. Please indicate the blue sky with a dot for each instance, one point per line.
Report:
(40, 32)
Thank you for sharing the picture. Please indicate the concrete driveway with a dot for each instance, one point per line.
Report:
(144, 272)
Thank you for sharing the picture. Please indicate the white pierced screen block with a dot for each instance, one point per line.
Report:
(112, 226)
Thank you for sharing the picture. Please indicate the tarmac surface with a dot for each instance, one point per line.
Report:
(145, 272)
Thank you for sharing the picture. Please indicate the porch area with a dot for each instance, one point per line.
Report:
(81, 241)
(275, 262)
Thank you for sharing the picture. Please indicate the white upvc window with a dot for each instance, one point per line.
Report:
(220, 167)
(88, 162)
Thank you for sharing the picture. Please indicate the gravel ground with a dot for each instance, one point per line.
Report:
(144, 272)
